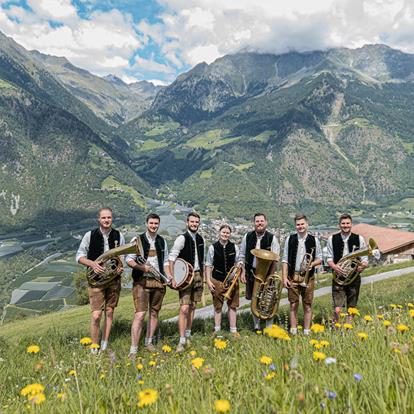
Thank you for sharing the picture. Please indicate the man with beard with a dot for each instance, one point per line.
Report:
(259, 238)
(189, 247)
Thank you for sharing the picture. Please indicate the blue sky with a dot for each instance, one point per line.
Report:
(158, 40)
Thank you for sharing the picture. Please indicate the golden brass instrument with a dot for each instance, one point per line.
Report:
(267, 289)
(305, 267)
(230, 282)
(112, 263)
(350, 263)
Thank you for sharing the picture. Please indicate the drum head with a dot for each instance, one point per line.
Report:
(180, 271)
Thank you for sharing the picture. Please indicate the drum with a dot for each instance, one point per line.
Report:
(183, 274)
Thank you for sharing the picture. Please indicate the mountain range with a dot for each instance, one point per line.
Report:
(319, 131)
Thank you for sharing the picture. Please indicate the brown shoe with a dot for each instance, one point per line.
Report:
(151, 348)
(180, 349)
(235, 335)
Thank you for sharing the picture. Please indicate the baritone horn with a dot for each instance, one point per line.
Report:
(267, 289)
(350, 262)
(112, 264)
(305, 268)
(230, 282)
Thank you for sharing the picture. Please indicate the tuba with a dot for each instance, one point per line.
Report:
(267, 289)
(351, 261)
(112, 263)
(230, 282)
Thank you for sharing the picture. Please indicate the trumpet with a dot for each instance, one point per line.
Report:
(230, 282)
(305, 267)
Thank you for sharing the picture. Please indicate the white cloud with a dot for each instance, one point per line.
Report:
(151, 65)
(53, 9)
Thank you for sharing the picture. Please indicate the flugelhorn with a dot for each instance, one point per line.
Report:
(305, 267)
(350, 262)
(112, 264)
(267, 289)
(230, 282)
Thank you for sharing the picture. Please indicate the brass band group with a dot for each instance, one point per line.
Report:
(187, 267)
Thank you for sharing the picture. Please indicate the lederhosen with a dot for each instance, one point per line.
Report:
(138, 275)
(351, 291)
(251, 240)
(97, 244)
(187, 253)
(310, 243)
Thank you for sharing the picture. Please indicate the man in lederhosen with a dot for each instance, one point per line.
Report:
(221, 257)
(93, 244)
(259, 238)
(338, 246)
(296, 246)
(189, 247)
(147, 291)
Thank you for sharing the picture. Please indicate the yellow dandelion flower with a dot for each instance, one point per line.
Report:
(317, 328)
(152, 363)
(61, 396)
(33, 349)
(393, 306)
(410, 305)
(266, 360)
(72, 372)
(362, 335)
(140, 366)
(141, 382)
(270, 375)
(102, 376)
(368, 318)
(37, 399)
(313, 342)
(220, 344)
(197, 362)
(193, 353)
(222, 406)
(324, 343)
(94, 346)
(353, 311)
(337, 325)
(380, 317)
(259, 332)
(166, 349)
(386, 323)
(411, 313)
(147, 397)
(276, 332)
(32, 389)
(347, 326)
(342, 315)
(85, 341)
(318, 346)
(402, 328)
(396, 350)
(319, 356)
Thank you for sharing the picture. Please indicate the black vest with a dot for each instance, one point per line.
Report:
(251, 240)
(188, 251)
(96, 245)
(159, 247)
(338, 245)
(310, 243)
(224, 259)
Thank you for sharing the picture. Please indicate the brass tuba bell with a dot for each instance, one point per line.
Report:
(267, 289)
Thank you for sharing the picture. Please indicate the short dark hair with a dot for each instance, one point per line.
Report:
(103, 209)
(345, 216)
(225, 226)
(300, 216)
(152, 216)
(193, 214)
(258, 215)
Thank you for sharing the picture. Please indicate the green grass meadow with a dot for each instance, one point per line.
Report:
(353, 375)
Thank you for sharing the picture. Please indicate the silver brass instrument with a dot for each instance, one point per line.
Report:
(112, 264)
(153, 273)
(350, 263)
(305, 268)
(267, 289)
(230, 282)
